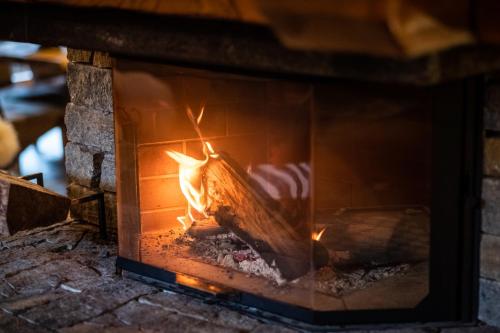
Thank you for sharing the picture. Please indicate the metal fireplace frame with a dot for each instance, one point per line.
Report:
(456, 202)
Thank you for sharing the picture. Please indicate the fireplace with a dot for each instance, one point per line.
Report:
(325, 201)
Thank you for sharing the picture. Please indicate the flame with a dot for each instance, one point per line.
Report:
(190, 172)
(182, 221)
(317, 235)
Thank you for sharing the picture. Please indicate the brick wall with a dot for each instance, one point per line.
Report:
(489, 307)
(89, 152)
(235, 120)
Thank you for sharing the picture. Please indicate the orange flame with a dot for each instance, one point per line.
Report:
(190, 172)
(190, 179)
(317, 235)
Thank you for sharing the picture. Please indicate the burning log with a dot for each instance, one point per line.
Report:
(217, 186)
(258, 220)
(205, 228)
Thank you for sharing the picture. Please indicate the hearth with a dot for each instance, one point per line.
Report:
(326, 201)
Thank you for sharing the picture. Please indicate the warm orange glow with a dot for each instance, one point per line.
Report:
(190, 172)
(190, 179)
(197, 284)
(317, 235)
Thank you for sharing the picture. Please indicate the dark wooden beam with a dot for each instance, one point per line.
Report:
(228, 45)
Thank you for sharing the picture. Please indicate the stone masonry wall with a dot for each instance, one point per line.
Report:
(90, 156)
(90, 160)
(489, 295)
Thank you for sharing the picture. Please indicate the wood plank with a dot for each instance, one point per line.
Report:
(24, 205)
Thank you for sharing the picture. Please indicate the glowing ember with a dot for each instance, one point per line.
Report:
(317, 235)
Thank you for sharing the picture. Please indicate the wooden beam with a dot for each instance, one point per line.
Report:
(224, 45)
(24, 205)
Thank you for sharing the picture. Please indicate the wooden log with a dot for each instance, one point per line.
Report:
(257, 219)
(24, 205)
(205, 228)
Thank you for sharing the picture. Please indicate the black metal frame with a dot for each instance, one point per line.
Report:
(454, 263)
(37, 176)
(101, 210)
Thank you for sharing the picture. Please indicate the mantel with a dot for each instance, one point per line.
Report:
(224, 44)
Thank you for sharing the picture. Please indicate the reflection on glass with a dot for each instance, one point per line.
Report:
(294, 192)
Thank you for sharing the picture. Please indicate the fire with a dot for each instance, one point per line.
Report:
(190, 179)
(190, 173)
(317, 235)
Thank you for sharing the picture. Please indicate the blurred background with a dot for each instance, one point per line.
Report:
(33, 96)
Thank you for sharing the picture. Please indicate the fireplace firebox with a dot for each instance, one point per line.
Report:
(326, 201)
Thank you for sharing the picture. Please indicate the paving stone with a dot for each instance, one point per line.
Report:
(188, 306)
(10, 324)
(107, 322)
(90, 327)
(76, 291)
(491, 206)
(489, 305)
(90, 86)
(48, 276)
(90, 127)
(490, 257)
(20, 304)
(139, 314)
(107, 295)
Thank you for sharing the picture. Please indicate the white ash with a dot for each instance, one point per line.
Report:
(228, 251)
(341, 283)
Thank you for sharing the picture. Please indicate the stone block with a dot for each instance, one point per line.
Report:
(489, 305)
(10, 323)
(491, 208)
(83, 164)
(492, 157)
(108, 178)
(77, 307)
(88, 211)
(215, 314)
(492, 107)
(80, 56)
(490, 257)
(90, 127)
(102, 60)
(90, 86)
(471, 329)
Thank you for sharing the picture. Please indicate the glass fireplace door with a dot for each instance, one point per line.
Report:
(311, 196)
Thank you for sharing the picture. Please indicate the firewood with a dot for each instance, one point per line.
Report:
(24, 205)
(258, 220)
(205, 228)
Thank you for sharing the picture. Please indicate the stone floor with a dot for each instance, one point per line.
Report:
(62, 279)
